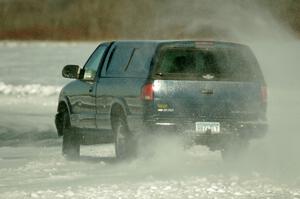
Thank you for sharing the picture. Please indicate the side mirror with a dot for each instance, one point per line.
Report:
(71, 71)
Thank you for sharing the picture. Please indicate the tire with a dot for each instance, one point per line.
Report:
(125, 144)
(234, 151)
(71, 142)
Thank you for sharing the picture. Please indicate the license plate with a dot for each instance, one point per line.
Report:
(203, 127)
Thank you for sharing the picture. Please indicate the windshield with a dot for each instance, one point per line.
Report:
(229, 63)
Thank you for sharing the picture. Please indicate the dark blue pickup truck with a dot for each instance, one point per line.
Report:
(211, 92)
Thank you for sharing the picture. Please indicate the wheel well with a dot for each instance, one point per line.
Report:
(62, 107)
(117, 110)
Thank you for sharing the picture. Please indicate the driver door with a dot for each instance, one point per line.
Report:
(84, 103)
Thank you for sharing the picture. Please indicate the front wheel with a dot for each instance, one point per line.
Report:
(71, 143)
(125, 145)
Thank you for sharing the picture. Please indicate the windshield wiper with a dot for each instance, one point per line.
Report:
(159, 74)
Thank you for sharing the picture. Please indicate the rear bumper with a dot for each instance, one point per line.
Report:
(229, 129)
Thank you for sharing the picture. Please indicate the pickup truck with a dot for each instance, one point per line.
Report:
(211, 93)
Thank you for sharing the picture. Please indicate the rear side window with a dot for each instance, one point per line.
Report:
(119, 60)
(138, 63)
(232, 64)
(129, 61)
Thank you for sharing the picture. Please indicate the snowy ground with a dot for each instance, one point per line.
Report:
(30, 172)
(31, 165)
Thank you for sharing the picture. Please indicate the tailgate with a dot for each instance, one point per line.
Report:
(207, 99)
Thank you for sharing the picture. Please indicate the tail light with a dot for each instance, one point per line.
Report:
(264, 94)
(147, 92)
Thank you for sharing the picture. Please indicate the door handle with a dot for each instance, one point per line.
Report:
(91, 89)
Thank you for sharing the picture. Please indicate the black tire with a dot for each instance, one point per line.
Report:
(235, 151)
(71, 142)
(125, 144)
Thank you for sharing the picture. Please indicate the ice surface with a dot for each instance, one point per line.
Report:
(45, 174)
(25, 63)
(30, 81)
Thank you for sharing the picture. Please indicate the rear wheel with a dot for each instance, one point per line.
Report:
(125, 144)
(71, 142)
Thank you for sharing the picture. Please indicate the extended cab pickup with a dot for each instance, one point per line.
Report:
(211, 92)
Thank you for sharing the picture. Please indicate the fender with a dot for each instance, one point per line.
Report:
(66, 101)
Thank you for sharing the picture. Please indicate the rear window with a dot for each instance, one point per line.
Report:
(230, 63)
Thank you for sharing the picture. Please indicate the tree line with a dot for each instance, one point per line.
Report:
(108, 19)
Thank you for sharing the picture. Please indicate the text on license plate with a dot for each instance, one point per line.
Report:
(203, 127)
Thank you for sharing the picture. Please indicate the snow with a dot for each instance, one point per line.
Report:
(45, 174)
(31, 164)
(29, 89)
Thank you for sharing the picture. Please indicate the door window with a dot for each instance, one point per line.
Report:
(93, 63)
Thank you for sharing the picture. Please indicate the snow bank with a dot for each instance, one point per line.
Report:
(29, 89)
